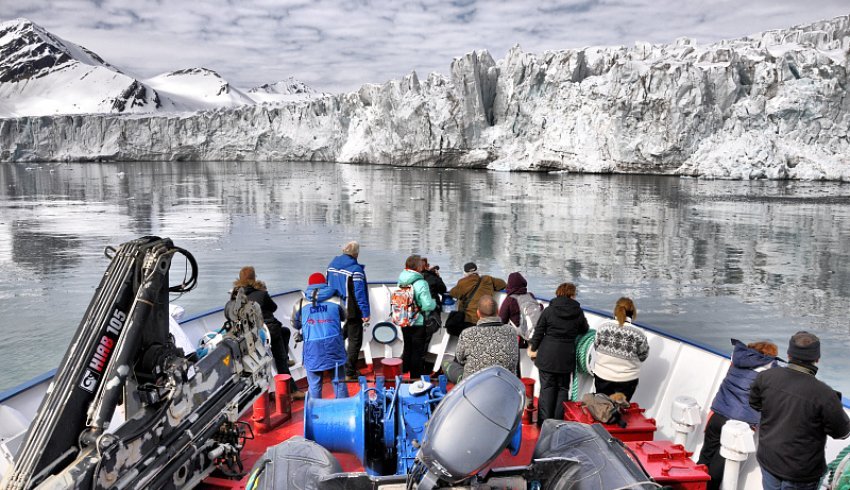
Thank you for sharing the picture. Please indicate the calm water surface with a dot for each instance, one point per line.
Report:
(708, 260)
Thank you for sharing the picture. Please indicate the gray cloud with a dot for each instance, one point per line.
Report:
(338, 45)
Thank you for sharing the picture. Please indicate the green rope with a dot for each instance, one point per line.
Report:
(583, 346)
(833, 479)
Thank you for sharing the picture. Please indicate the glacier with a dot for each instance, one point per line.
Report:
(772, 105)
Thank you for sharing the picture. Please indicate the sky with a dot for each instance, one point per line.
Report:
(338, 45)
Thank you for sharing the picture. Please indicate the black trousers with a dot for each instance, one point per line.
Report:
(413, 355)
(279, 338)
(610, 387)
(554, 391)
(710, 453)
(354, 333)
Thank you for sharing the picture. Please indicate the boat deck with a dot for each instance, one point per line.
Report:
(255, 448)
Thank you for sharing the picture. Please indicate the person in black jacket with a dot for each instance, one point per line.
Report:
(257, 292)
(435, 282)
(553, 349)
(437, 288)
(797, 413)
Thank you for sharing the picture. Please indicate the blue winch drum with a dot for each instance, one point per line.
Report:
(384, 333)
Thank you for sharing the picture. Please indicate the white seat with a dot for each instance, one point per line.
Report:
(366, 348)
(440, 348)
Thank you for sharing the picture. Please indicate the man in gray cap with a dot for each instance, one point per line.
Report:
(797, 413)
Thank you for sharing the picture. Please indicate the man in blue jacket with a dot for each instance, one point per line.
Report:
(348, 278)
(318, 316)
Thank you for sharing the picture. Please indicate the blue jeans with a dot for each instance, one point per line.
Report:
(314, 381)
(770, 482)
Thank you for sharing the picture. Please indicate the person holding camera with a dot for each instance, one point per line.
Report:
(435, 283)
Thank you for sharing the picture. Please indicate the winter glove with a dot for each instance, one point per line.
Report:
(298, 337)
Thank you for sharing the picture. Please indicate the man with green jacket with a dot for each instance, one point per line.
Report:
(415, 336)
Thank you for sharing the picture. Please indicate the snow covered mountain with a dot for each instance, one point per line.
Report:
(772, 105)
(289, 90)
(196, 89)
(42, 74)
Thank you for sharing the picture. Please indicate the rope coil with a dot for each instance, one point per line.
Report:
(584, 346)
(838, 471)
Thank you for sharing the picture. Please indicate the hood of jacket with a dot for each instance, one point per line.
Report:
(324, 292)
(516, 284)
(346, 262)
(746, 358)
(408, 277)
(566, 307)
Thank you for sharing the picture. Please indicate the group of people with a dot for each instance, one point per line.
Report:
(793, 411)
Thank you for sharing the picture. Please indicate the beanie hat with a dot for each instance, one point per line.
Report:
(807, 353)
(470, 267)
(316, 278)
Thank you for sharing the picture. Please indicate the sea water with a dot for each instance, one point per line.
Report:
(707, 260)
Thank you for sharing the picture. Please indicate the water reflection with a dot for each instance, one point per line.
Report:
(706, 259)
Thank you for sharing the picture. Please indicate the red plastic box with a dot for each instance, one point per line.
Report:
(670, 465)
(638, 427)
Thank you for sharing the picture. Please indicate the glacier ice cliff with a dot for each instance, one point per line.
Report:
(772, 105)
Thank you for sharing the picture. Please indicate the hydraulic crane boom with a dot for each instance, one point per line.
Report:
(179, 417)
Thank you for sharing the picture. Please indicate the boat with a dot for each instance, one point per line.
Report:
(679, 372)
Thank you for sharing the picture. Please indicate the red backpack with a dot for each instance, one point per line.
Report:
(403, 308)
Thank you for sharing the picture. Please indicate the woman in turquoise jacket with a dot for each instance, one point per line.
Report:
(415, 336)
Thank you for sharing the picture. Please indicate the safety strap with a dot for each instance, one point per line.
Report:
(474, 290)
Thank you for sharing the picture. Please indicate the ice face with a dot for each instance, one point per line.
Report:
(768, 106)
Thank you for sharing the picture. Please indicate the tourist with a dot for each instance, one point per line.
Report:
(469, 290)
(519, 309)
(489, 343)
(415, 336)
(257, 292)
(620, 348)
(553, 349)
(798, 411)
(435, 285)
(319, 316)
(348, 278)
(732, 401)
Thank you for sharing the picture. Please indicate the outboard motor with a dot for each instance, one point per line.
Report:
(488, 404)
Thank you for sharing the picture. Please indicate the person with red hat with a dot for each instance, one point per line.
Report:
(318, 316)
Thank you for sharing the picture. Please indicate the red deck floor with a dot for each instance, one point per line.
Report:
(255, 448)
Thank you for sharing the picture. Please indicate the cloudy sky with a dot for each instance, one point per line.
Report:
(337, 45)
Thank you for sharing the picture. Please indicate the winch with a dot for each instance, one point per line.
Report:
(383, 426)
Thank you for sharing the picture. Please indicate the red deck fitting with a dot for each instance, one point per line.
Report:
(263, 418)
(638, 427)
(390, 367)
(670, 464)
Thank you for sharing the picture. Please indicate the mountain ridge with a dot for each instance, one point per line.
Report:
(43, 74)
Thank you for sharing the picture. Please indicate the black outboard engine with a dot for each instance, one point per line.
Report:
(474, 423)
